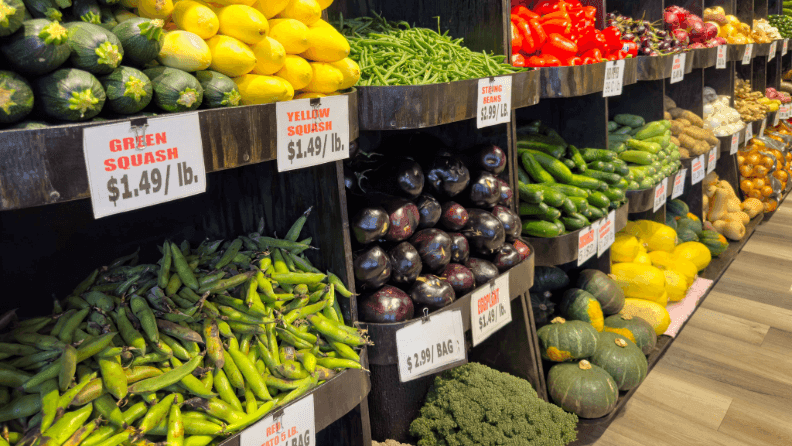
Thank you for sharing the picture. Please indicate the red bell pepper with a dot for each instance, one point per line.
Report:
(590, 12)
(612, 38)
(590, 60)
(621, 55)
(528, 45)
(538, 34)
(558, 15)
(630, 47)
(517, 39)
(560, 47)
(591, 40)
(518, 60)
(546, 6)
(594, 53)
(573, 61)
(524, 13)
(545, 60)
(557, 26)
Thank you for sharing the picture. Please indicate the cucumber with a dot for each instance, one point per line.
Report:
(618, 137)
(530, 193)
(598, 199)
(523, 176)
(643, 146)
(612, 126)
(543, 144)
(614, 194)
(622, 184)
(608, 167)
(569, 163)
(664, 140)
(588, 213)
(551, 196)
(610, 178)
(596, 213)
(590, 155)
(623, 130)
(586, 182)
(636, 157)
(617, 146)
(620, 168)
(570, 191)
(581, 204)
(634, 185)
(596, 165)
(574, 222)
(577, 158)
(646, 183)
(650, 130)
(536, 228)
(633, 121)
(527, 209)
(657, 166)
(557, 169)
(568, 206)
(534, 169)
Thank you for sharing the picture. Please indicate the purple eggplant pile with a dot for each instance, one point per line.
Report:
(428, 229)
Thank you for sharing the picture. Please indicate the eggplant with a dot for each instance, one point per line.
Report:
(453, 217)
(460, 248)
(434, 247)
(491, 158)
(370, 224)
(429, 211)
(432, 291)
(522, 248)
(388, 304)
(509, 219)
(460, 278)
(484, 232)
(403, 217)
(506, 193)
(372, 268)
(484, 191)
(482, 270)
(447, 176)
(506, 257)
(405, 263)
(400, 177)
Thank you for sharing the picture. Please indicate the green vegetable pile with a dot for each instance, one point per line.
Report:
(783, 23)
(395, 53)
(649, 149)
(476, 405)
(188, 351)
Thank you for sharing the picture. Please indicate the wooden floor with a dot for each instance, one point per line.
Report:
(727, 379)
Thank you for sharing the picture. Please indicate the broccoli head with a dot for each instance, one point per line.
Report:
(474, 405)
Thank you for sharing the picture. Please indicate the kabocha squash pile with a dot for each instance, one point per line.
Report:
(75, 60)
(188, 351)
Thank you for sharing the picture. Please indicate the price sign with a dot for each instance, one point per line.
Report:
(490, 309)
(606, 233)
(748, 131)
(136, 166)
(773, 49)
(679, 183)
(430, 345)
(312, 131)
(747, 55)
(494, 101)
(697, 169)
(785, 47)
(763, 127)
(678, 68)
(614, 78)
(785, 111)
(295, 425)
(721, 62)
(660, 194)
(712, 160)
(735, 143)
(587, 243)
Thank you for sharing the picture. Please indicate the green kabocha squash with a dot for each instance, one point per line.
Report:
(542, 307)
(39, 47)
(582, 388)
(677, 208)
(128, 90)
(603, 288)
(69, 94)
(175, 90)
(690, 221)
(670, 221)
(16, 97)
(549, 278)
(562, 340)
(715, 242)
(94, 49)
(219, 89)
(12, 14)
(685, 234)
(580, 305)
(633, 328)
(622, 359)
(141, 38)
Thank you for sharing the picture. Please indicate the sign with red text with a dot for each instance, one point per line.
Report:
(490, 309)
(747, 54)
(735, 143)
(748, 132)
(773, 49)
(763, 127)
(660, 194)
(698, 169)
(431, 344)
(606, 233)
(494, 101)
(785, 47)
(312, 131)
(294, 426)
(132, 167)
(614, 78)
(720, 63)
(587, 243)
(678, 68)
(712, 159)
(679, 183)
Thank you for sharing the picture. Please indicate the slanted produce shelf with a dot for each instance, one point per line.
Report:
(725, 141)
(704, 57)
(384, 352)
(551, 251)
(761, 49)
(420, 106)
(567, 82)
(652, 68)
(643, 200)
(332, 400)
(47, 166)
(591, 429)
(630, 71)
(736, 52)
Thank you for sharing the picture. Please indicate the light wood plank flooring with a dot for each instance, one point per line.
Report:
(727, 379)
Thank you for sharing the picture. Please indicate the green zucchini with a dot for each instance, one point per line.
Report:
(636, 157)
(108, 20)
(614, 137)
(86, 10)
(44, 9)
(542, 144)
(617, 146)
(569, 163)
(141, 38)
(569, 190)
(534, 169)
(581, 204)
(538, 228)
(643, 146)
(612, 126)
(574, 222)
(13, 13)
(623, 130)
(16, 97)
(664, 140)
(29, 125)
(523, 176)
(586, 182)
(219, 89)
(598, 199)
(577, 158)
(650, 130)
(610, 178)
(553, 166)
(175, 90)
(128, 90)
(37, 48)
(69, 94)
(94, 49)
(590, 155)
(629, 120)
(530, 193)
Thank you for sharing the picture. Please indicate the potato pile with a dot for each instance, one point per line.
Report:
(752, 105)
(688, 132)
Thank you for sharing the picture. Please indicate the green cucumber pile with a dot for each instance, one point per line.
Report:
(186, 351)
(563, 188)
(645, 147)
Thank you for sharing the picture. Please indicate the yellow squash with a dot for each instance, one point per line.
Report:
(653, 313)
(257, 89)
(244, 23)
(325, 44)
(658, 237)
(625, 247)
(196, 18)
(230, 56)
(184, 50)
(695, 252)
(290, 33)
(639, 281)
(270, 56)
(676, 285)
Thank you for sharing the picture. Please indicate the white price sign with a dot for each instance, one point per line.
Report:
(679, 183)
(773, 49)
(614, 78)
(312, 131)
(735, 143)
(429, 346)
(785, 113)
(712, 160)
(785, 47)
(748, 131)
(494, 101)
(777, 116)
(606, 233)
(295, 425)
(747, 55)
(678, 68)
(763, 127)
(154, 161)
(587, 243)
(660, 194)
(722, 51)
(698, 169)
(490, 309)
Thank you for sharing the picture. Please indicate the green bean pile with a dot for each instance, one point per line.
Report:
(188, 351)
(394, 53)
